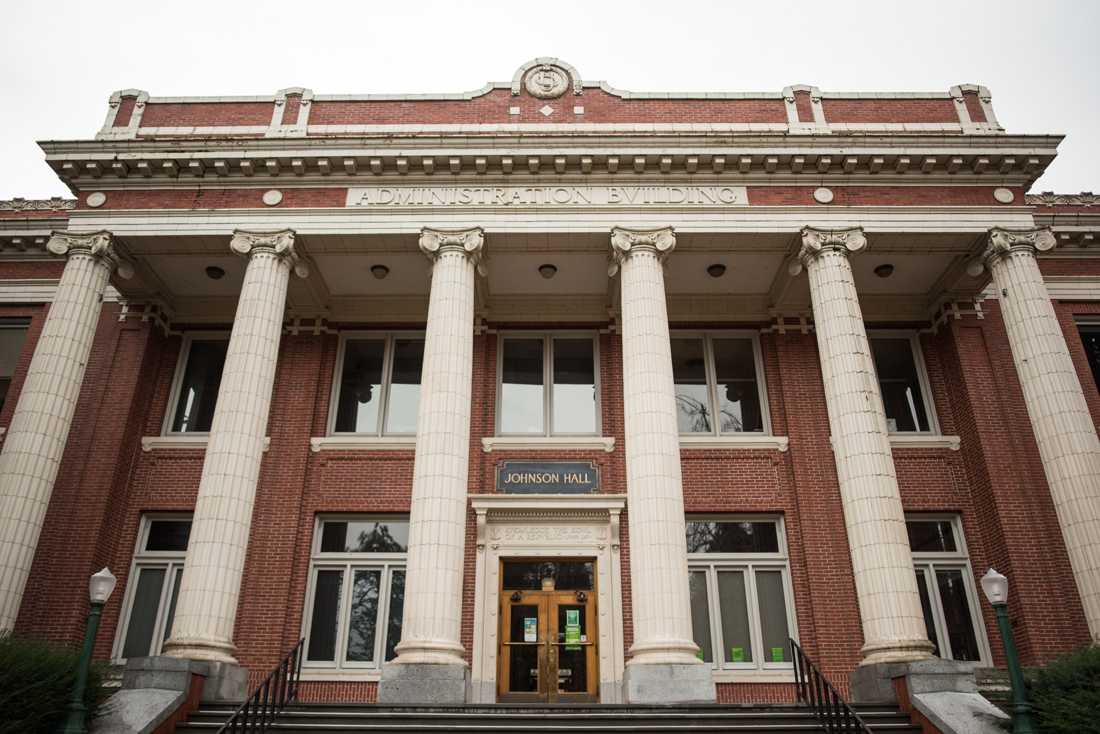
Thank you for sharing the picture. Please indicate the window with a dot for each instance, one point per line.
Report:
(902, 382)
(195, 389)
(356, 592)
(739, 578)
(1090, 335)
(150, 602)
(548, 386)
(946, 586)
(377, 386)
(13, 333)
(718, 385)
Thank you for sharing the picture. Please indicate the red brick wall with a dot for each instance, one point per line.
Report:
(187, 114)
(889, 110)
(974, 107)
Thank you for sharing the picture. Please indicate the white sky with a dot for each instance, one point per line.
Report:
(62, 59)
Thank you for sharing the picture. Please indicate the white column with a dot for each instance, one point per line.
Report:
(40, 425)
(1068, 445)
(886, 587)
(207, 605)
(655, 502)
(429, 666)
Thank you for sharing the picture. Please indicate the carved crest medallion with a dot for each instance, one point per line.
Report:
(547, 81)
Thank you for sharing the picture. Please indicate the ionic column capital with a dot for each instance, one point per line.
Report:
(815, 242)
(470, 242)
(625, 242)
(1001, 242)
(279, 243)
(98, 245)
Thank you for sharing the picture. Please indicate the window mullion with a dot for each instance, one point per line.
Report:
(387, 380)
(382, 612)
(716, 639)
(756, 628)
(548, 383)
(711, 377)
(937, 612)
(343, 618)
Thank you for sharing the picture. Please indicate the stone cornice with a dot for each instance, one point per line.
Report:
(817, 241)
(1049, 198)
(37, 205)
(625, 242)
(97, 245)
(279, 243)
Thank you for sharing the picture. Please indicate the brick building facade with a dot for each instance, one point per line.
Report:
(810, 468)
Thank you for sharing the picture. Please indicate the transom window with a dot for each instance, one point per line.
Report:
(356, 591)
(548, 385)
(741, 604)
(945, 582)
(718, 384)
(150, 602)
(13, 333)
(1090, 336)
(377, 386)
(902, 382)
(195, 388)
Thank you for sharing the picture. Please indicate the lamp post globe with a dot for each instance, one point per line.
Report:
(100, 587)
(995, 588)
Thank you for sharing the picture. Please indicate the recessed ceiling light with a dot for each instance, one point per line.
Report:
(885, 270)
(214, 272)
(717, 270)
(379, 271)
(548, 271)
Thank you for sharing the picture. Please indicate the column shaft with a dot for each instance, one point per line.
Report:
(1064, 431)
(889, 605)
(40, 424)
(210, 588)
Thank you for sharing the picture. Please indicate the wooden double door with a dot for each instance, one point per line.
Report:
(548, 651)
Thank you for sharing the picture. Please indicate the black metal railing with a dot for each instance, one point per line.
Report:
(824, 700)
(277, 690)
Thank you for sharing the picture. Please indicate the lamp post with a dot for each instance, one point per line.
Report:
(100, 587)
(995, 587)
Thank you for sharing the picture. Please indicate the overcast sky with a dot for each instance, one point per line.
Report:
(62, 59)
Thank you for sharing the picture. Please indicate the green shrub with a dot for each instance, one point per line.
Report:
(36, 682)
(1066, 694)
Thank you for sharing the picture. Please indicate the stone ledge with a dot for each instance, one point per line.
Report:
(752, 441)
(924, 441)
(548, 443)
(362, 443)
(183, 441)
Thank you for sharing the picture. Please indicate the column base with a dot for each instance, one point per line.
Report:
(424, 683)
(875, 683)
(208, 651)
(897, 651)
(669, 683)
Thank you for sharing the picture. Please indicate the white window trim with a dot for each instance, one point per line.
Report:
(177, 381)
(928, 562)
(712, 389)
(760, 670)
(530, 439)
(386, 564)
(170, 561)
(922, 378)
(388, 338)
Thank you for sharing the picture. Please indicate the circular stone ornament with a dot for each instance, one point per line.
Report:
(96, 199)
(273, 197)
(823, 195)
(547, 81)
(1003, 195)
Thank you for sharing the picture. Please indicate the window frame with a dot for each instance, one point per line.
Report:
(927, 563)
(711, 372)
(388, 337)
(177, 379)
(749, 564)
(170, 561)
(15, 323)
(385, 563)
(548, 338)
(1087, 321)
(923, 380)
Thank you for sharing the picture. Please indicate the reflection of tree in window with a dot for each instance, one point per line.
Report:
(377, 540)
(364, 615)
(731, 537)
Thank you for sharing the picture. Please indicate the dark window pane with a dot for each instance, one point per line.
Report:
(523, 665)
(363, 622)
(397, 607)
(171, 616)
(734, 609)
(926, 607)
(199, 388)
(143, 613)
(931, 536)
(365, 536)
(360, 386)
(521, 386)
(689, 373)
(700, 615)
(326, 610)
(408, 357)
(11, 346)
(956, 615)
(574, 394)
(897, 378)
(572, 659)
(1090, 335)
(168, 535)
(706, 536)
(567, 575)
(738, 397)
(773, 616)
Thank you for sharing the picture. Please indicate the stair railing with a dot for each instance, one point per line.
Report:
(277, 690)
(824, 700)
